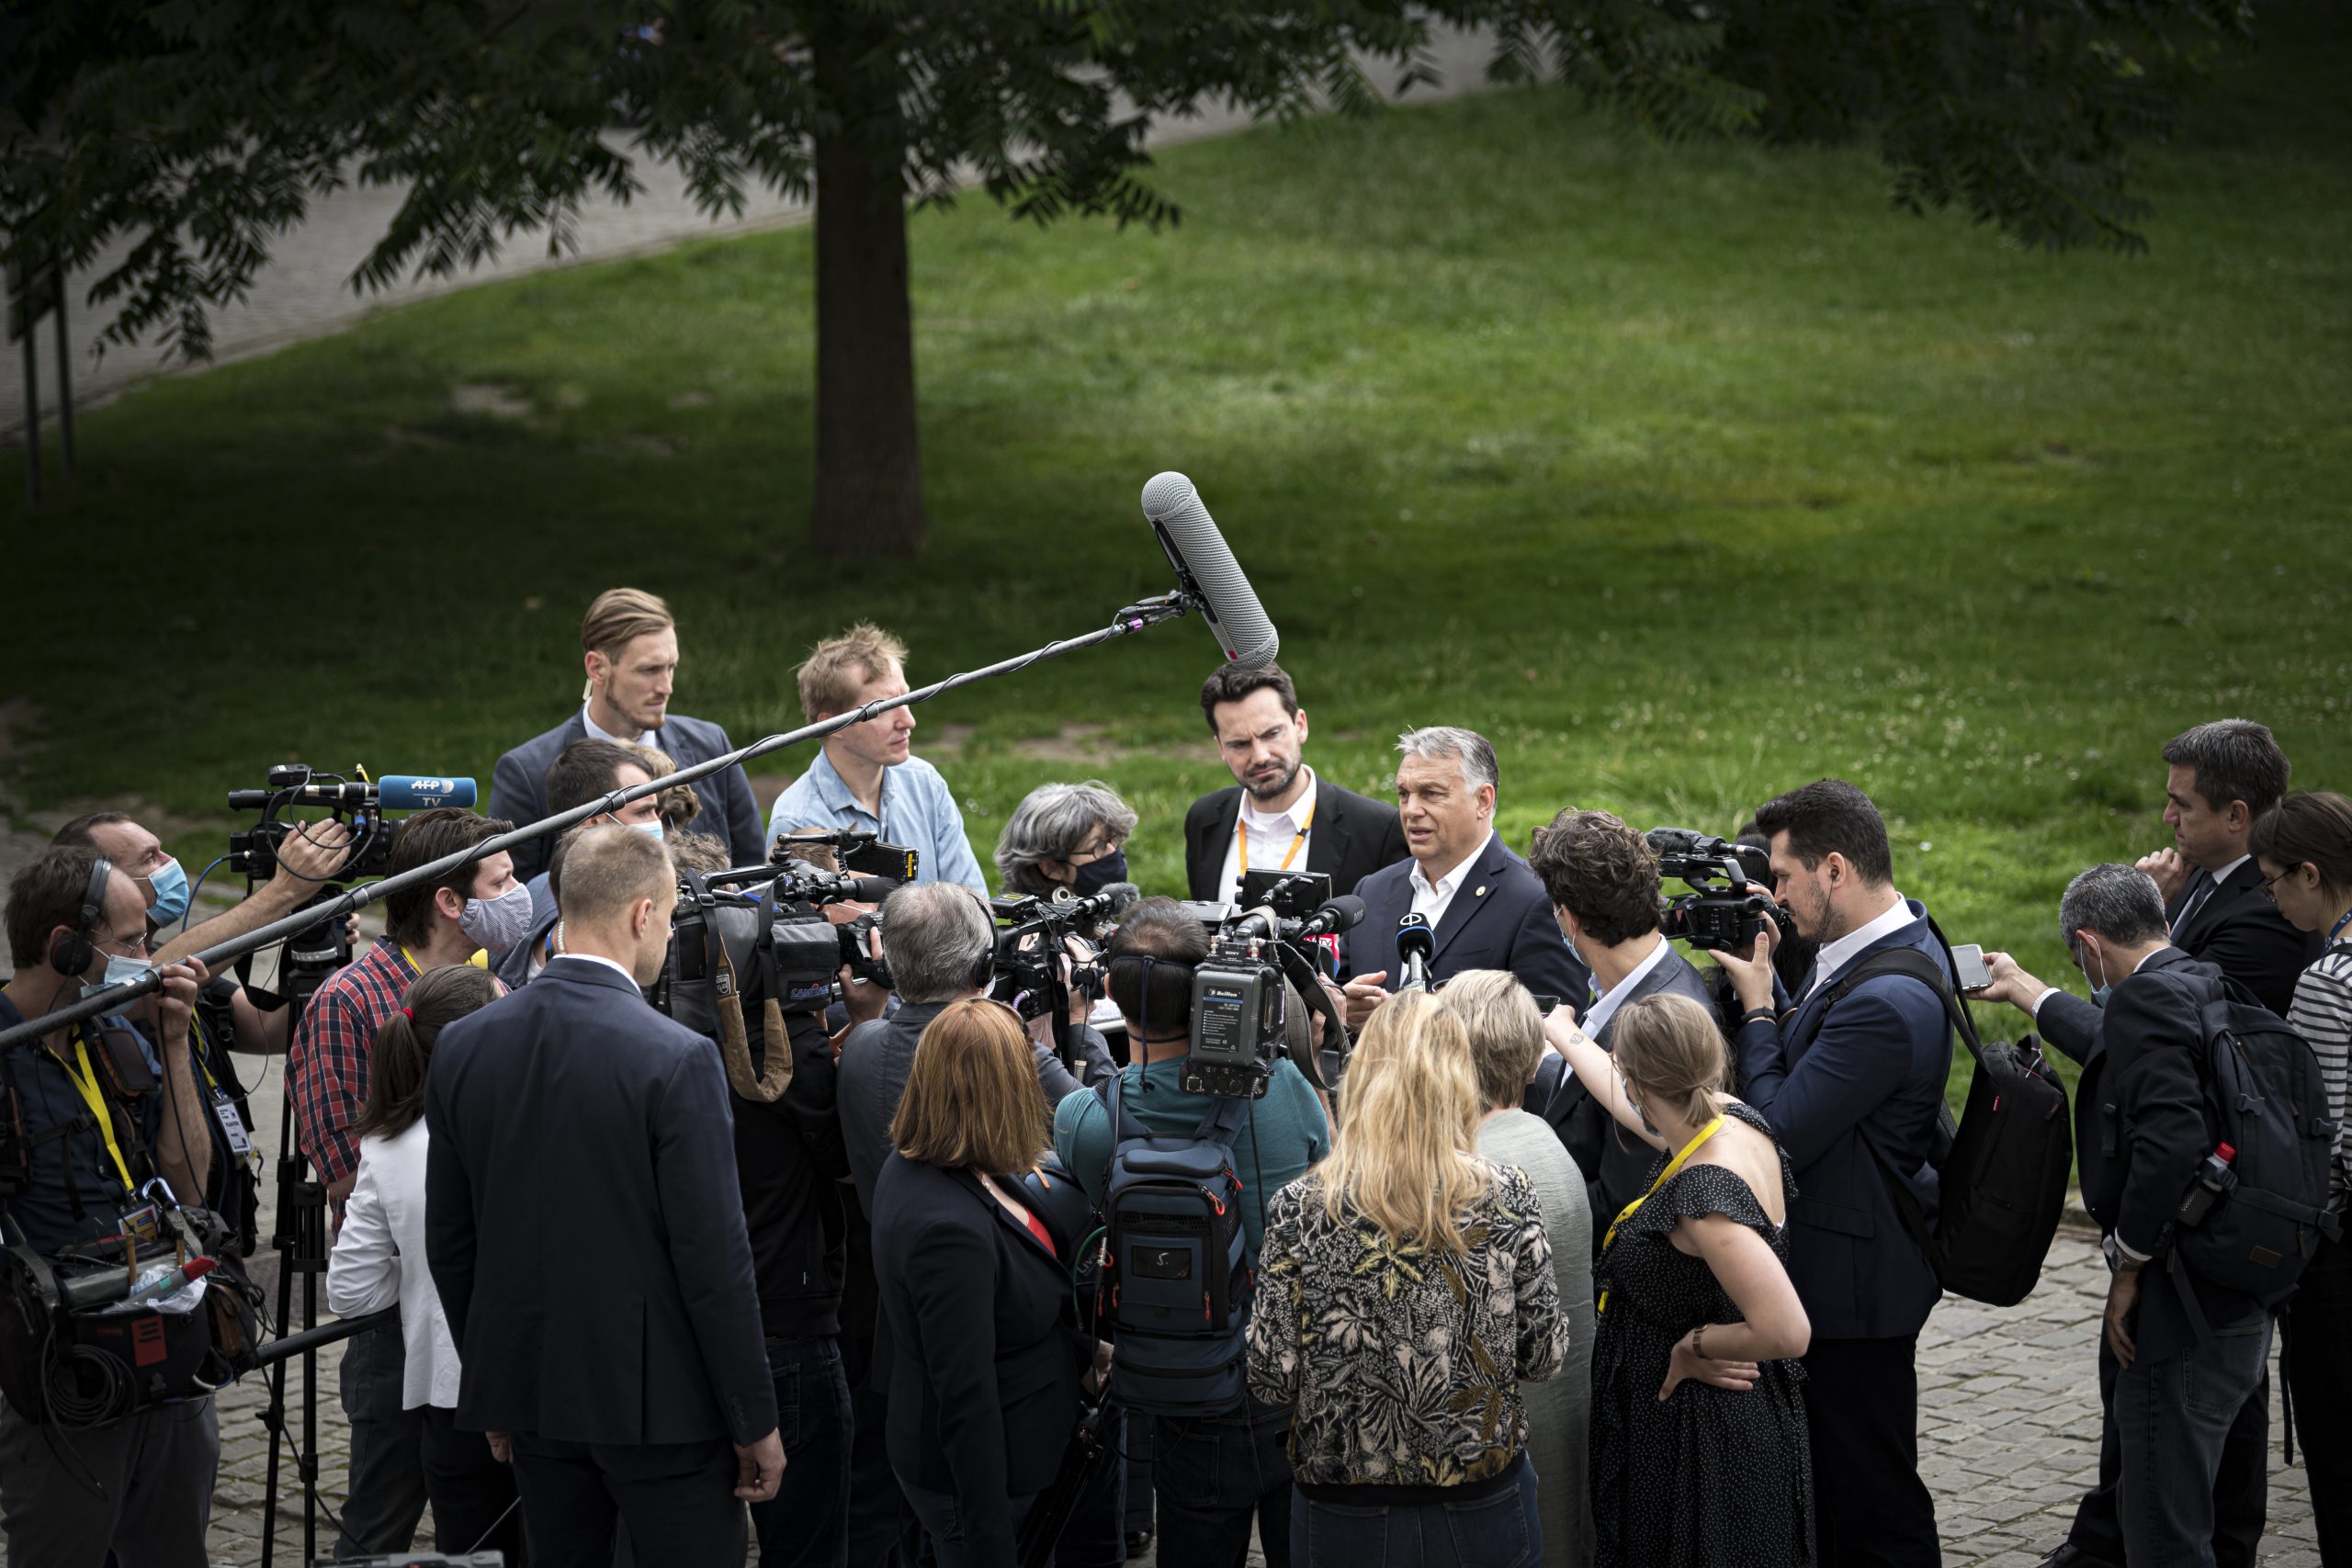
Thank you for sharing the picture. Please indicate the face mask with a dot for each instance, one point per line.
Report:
(171, 893)
(653, 827)
(2100, 992)
(498, 923)
(1095, 875)
(122, 971)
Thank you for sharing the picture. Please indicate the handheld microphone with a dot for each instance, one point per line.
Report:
(1103, 907)
(394, 792)
(1343, 913)
(1415, 951)
(1205, 567)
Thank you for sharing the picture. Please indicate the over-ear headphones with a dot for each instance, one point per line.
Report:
(984, 960)
(76, 951)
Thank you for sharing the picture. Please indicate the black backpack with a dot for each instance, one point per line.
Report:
(1179, 1273)
(2262, 1217)
(2002, 1166)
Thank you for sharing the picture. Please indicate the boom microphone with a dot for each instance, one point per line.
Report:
(1206, 569)
(1415, 951)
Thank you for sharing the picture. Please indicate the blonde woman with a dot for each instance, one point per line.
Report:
(1700, 1454)
(1407, 1290)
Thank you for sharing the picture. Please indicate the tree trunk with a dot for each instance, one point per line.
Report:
(869, 463)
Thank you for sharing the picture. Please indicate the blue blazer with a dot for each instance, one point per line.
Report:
(1500, 919)
(519, 788)
(584, 1224)
(1872, 1077)
(985, 1360)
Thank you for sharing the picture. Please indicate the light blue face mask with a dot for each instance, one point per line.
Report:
(170, 883)
(2100, 992)
(653, 827)
(123, 970)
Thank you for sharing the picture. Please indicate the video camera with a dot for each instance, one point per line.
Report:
(1252, 993)
(1731, 898)
(358, 803)
(1034, 933)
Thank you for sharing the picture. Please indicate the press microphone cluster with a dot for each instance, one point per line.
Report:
(1415, 951)
(1341, 914)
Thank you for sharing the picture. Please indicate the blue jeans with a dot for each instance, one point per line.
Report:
(2172, 1418)
(942, 1523)
(1501, 1529)
(805, 1524)
(1214, 1475)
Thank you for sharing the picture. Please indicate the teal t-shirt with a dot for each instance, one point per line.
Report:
(1284, 1135)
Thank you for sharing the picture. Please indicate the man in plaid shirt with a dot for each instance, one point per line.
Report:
(479, 906)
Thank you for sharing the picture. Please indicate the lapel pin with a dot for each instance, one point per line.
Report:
(1480, 892)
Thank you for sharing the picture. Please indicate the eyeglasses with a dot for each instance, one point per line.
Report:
(132, 946)
(2269, 885)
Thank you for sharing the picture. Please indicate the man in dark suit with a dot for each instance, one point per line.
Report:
(586, 1234)
(629, 645)
(2139, 1049)
(1853, 1087)
(1278, 816)
(2219, 777)
(1485, 907)
(1602, 879)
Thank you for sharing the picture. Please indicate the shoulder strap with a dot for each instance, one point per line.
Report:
(1227, 1114)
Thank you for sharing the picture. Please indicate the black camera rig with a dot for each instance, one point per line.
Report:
(1730, 901)
(1252, 994)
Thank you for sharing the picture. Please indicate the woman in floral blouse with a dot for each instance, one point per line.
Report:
(1405, 1289)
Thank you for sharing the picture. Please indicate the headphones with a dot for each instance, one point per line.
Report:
(76, 951)
(984, 960)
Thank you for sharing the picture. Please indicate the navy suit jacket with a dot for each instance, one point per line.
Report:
(519, 788)
(1352, 836)
(984, 1360)
(584, 1224)
(1500, 919)
(1616, 1163)
(1872, 1079)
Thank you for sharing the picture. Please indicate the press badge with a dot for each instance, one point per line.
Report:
(232, 1126)
(143, 1222)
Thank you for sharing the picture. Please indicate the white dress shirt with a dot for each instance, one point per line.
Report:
(613, 964)
(1836, 956)
(1432, 900)
(598, 732)
(378, 1261)
(1593, 1021)
(1270, 839)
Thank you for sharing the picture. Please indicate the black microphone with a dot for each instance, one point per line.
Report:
(1415, 951)
(1343, 913)
(1206, 569)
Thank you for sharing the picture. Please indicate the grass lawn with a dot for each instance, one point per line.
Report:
(1686, 474)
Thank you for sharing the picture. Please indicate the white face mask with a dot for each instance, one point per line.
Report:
(498, 923)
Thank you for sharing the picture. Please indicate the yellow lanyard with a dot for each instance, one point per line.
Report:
(1298, 838)
(86, 1080)
(1676, 1164)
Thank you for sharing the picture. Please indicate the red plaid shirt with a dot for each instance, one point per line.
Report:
(327, 1063)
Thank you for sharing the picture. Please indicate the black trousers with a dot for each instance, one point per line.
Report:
(679, 1495)
(474, 1500)
(1863, 1409)
(2241, 1490)
(2318, 1366)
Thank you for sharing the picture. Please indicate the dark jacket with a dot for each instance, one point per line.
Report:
(789, 1160)
(519, 789)
(1616, 1163)
(2243, 934)
(878, 1056)
(584, 1226)
(985, 1363)
(1500, 919)
(2152, 1126)
(1873, 1078)
(1352, 836)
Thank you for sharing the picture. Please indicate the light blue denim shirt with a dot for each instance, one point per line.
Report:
(918, 810)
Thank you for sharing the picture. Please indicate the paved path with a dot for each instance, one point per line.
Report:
(305, 291)
(2009, 1429)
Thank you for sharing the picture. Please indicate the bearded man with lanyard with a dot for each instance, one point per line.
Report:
(102, 1115)
(477, 907)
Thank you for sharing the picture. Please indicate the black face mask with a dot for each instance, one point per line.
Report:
(1095, 875)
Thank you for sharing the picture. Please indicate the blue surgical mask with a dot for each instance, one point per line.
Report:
(653, 827)
(170, 883)
(1095, 875)
(2100, 992)
(123, 970)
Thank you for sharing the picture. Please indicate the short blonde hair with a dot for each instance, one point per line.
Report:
(1670, 1051)
(1404, 1156)
(1505, 1031)
(606, 869)
(618, 616)
(972, 1098)
(838, 666)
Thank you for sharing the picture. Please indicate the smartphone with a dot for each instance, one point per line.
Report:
(1969, 962)
(1546, 1004)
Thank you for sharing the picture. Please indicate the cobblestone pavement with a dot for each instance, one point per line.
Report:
(2008, 1430)
(305, 291)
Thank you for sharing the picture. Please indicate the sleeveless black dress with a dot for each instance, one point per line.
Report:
(1708, 1476)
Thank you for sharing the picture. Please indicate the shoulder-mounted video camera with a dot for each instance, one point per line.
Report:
(1252, 994)
(1034, 933)
(1730, 901)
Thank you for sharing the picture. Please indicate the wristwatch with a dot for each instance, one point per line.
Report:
(2118, 1260)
